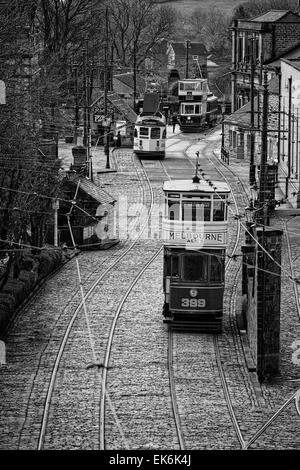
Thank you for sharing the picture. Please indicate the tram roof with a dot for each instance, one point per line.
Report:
(187, 186)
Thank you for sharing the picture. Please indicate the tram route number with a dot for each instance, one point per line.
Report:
(193, 303)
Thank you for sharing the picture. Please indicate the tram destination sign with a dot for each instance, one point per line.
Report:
(205, 238)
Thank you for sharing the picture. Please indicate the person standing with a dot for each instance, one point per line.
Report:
(174, 121)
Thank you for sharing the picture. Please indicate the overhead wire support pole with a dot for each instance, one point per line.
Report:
(252, 114)
(264, 150)
(289, 138)
(262, 212)
(187, 42)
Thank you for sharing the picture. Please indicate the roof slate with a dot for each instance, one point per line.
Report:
(273, 16)
(127, 79)
(97, 193)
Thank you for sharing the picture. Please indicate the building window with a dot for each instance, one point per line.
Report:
(234, 139)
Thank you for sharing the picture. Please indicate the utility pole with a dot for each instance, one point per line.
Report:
(75, 70)
(261, 218)
(289, 139)
(264, 150)
(107, 123)
(187, 42)
(252, 134)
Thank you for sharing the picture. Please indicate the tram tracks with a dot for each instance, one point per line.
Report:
(180, 433)
(71, 323)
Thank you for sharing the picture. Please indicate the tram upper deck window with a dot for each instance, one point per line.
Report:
(218, 210)
(173, 210)
(144, 131)
(194, 267)
(195, 211)
(155, 133)
(216, 268)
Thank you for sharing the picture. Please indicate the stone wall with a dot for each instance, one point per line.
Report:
(32, 271)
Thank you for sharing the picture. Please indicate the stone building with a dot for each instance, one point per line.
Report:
(289, 157)
(237, 128)
(188, 58)
(266, 38)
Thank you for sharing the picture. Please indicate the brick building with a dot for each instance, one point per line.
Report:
(266, 38)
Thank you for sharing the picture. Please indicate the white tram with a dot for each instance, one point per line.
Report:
(195, 241)
(150, 129)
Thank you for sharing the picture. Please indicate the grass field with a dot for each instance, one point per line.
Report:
(187, 6)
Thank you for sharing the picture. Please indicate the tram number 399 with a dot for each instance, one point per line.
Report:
(193, 303)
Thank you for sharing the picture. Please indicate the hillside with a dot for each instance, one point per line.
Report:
(187, 6)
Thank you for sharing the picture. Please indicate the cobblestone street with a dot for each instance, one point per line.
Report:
(128, 404)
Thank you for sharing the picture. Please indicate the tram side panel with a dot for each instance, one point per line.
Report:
(194, 286)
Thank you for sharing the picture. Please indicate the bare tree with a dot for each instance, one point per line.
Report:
(136, 26)
(211, 27)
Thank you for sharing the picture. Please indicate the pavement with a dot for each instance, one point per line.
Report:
(99, 159)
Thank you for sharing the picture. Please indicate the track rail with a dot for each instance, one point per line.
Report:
(65, 338)
(109, 347)
(215, 339)
(180, 436)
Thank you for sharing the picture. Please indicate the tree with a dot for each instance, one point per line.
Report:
(25, 174)
(211, 27)
(136, 26)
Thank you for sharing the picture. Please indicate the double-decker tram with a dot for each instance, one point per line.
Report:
(195, 240)
(197, 105)
(150, 129)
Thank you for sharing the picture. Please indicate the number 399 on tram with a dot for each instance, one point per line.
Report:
(195, 240)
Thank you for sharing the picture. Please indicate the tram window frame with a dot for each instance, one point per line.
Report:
(135, 132)
(221, 210)
(204, 278)
(142, 129)
(217, 256)
(206, 210)
(175, 265)
(152, 133)
(171, 202)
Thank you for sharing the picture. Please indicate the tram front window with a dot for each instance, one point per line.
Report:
(218, 211)
(155, 133)
(144, 131)
(194, 267)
